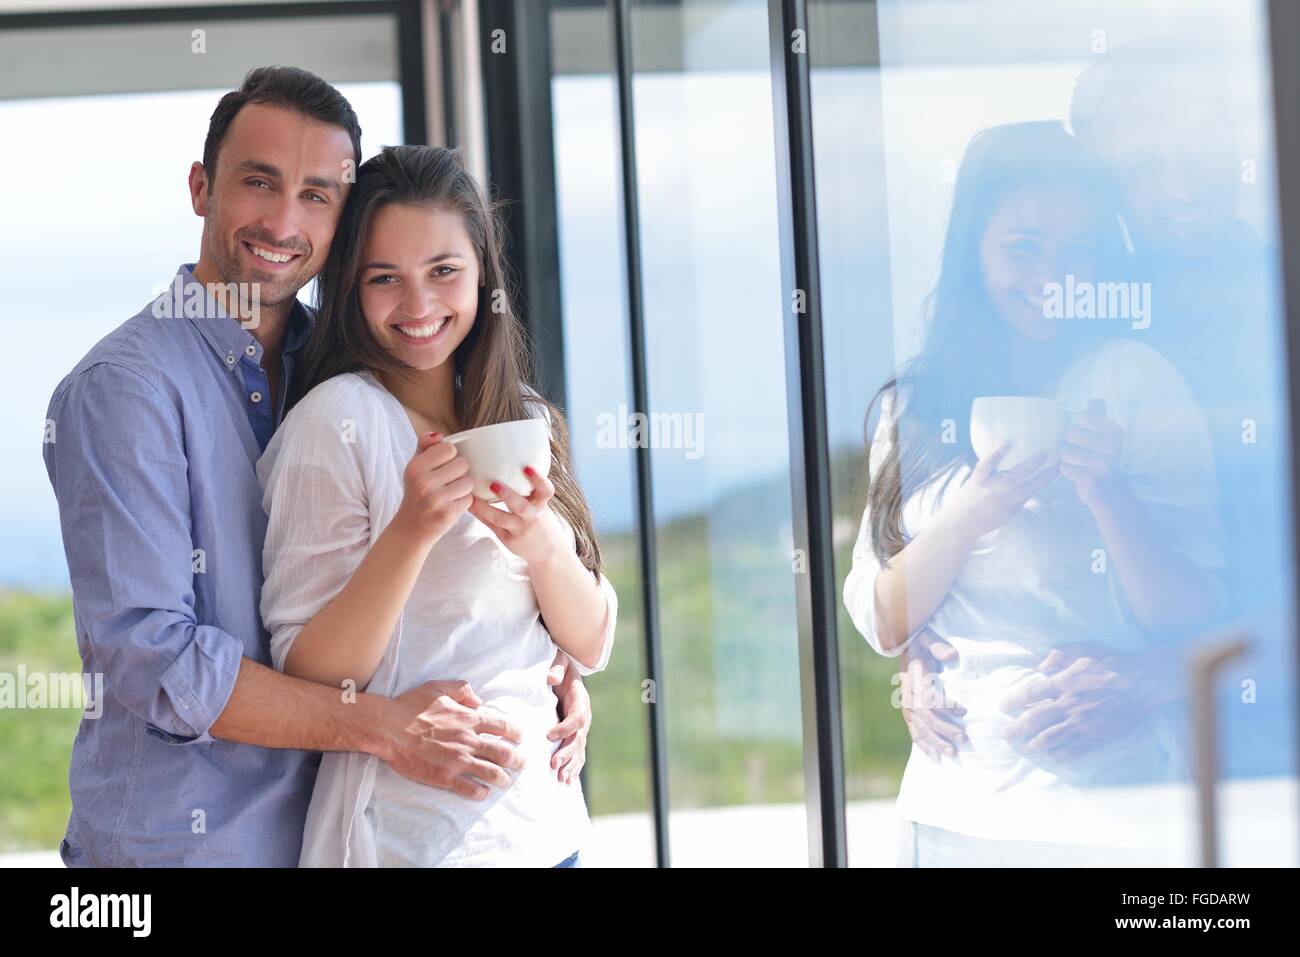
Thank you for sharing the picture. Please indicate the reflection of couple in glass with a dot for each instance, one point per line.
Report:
(1053, 577)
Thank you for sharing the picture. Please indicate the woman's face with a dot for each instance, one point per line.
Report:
(1037, 235)
(419, 283)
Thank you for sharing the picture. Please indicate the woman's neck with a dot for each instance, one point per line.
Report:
(429, 396)
(1033, 364)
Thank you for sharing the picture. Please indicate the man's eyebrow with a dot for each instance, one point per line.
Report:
(321, 182)
(428, 262)
(253, 166)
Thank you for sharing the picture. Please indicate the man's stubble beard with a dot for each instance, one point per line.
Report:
(229, 262)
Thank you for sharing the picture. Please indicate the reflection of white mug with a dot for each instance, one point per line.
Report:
(1030, 425)
(499, 452)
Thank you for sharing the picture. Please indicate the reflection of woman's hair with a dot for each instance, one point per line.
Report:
(966, 347)
(492, 362)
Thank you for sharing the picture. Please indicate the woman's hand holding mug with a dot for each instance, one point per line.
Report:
(1090, 456)
(529, 528)
(437, 489)
(988, 499)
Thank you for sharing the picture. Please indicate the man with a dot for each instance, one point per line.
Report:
(1166, 118)
(1161, 121)
(205, 755)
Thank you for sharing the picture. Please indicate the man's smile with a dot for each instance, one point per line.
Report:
(269, 257)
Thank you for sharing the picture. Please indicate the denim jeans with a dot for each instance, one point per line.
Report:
(570, 861)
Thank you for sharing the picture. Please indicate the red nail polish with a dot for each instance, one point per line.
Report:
(496, 487)
(528, 470)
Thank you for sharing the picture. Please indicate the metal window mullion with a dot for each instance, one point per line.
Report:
(410, 71)
(622, 29)
(521, 168)
(809, 452)
(1284, 35)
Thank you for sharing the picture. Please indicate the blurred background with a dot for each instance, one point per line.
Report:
(665, 194)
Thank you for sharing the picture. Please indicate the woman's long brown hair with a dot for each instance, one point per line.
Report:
(492, 363)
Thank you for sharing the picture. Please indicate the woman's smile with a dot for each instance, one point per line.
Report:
(424, 332)
(1031, 303)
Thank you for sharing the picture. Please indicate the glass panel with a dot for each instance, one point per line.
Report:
(82, 248)
(853, 249)
(584, 104)
(719, 438)
(1055, 229)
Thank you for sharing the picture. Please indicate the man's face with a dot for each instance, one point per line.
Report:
(272, 208)
(1173, 151)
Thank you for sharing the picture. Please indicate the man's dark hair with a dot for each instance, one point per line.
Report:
(285, 86)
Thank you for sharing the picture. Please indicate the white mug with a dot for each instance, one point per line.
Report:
(499, 452)
(1030, 424)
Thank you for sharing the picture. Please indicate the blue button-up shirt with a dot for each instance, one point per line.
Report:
(151, 447)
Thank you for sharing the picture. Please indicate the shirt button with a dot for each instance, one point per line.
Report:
(250, 350)
(230, 359)
(256, 397)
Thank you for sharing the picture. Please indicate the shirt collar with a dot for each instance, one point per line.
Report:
(224, 335)
(301, 320)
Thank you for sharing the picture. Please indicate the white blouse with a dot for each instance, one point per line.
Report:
(1043, 581)
(332, 480)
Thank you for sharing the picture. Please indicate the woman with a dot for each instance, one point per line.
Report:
(1059, 585)
(382, 569)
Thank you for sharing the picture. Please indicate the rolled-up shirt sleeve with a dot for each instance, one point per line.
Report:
(119, 471)
(313, 480)
(860, 588)
(607, 637)
(860, 584)
(534, 406)
(611, 611)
